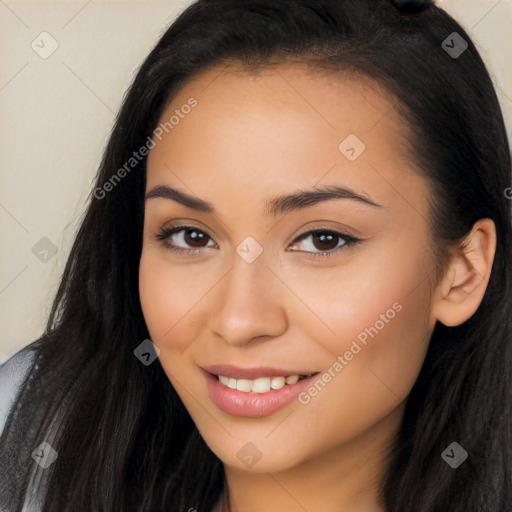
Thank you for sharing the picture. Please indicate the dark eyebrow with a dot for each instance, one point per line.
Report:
(176, 195)
(304, 198)
(276, 206)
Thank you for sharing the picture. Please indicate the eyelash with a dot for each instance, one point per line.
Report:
(166, 233)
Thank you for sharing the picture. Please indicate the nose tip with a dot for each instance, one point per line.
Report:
(245, 328)
(249, 309)
(242, 341)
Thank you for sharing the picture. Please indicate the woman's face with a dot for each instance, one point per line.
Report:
(248, 290)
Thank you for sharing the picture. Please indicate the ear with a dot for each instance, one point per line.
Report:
(461, 290)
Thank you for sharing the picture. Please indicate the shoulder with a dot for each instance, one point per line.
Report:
(12, 375)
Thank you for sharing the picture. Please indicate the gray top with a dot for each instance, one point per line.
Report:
(12, 375)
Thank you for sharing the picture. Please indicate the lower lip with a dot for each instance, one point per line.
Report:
(252, 405)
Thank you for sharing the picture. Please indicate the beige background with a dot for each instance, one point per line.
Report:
(57, 112)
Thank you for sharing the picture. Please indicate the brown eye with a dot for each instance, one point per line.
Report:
(183, 238)
(194, 237)
(325, 242)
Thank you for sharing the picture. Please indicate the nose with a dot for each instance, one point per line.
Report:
(250, 304)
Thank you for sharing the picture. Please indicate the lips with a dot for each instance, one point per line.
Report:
(251, 404)
(245, 402)
(237, 372)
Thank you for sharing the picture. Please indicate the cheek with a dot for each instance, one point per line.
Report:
(173, 297)
(381, 290)
(392, 350)
(378, 324)
(371, 380)
(164, 296)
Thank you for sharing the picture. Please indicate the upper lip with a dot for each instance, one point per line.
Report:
(237, 372)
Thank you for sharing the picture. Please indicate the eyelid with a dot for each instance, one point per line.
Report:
(350, 240)
(342, 234)
(326, 225)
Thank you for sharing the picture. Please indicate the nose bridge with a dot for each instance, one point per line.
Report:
(249, 303)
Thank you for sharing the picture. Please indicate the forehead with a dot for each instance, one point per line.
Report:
(338, 99)
(281, 128)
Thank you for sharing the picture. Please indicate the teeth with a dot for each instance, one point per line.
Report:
(277, 382)
(260, 385)
(292, 379)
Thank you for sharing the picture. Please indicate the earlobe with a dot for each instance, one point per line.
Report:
(462, 289)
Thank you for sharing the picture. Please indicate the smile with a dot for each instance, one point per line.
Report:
(262, 384)
(258, 396)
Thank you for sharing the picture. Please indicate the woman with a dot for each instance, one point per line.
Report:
(196, 357)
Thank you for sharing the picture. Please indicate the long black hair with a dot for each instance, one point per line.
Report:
(125, 442)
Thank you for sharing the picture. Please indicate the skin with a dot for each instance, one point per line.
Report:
(252, 137)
